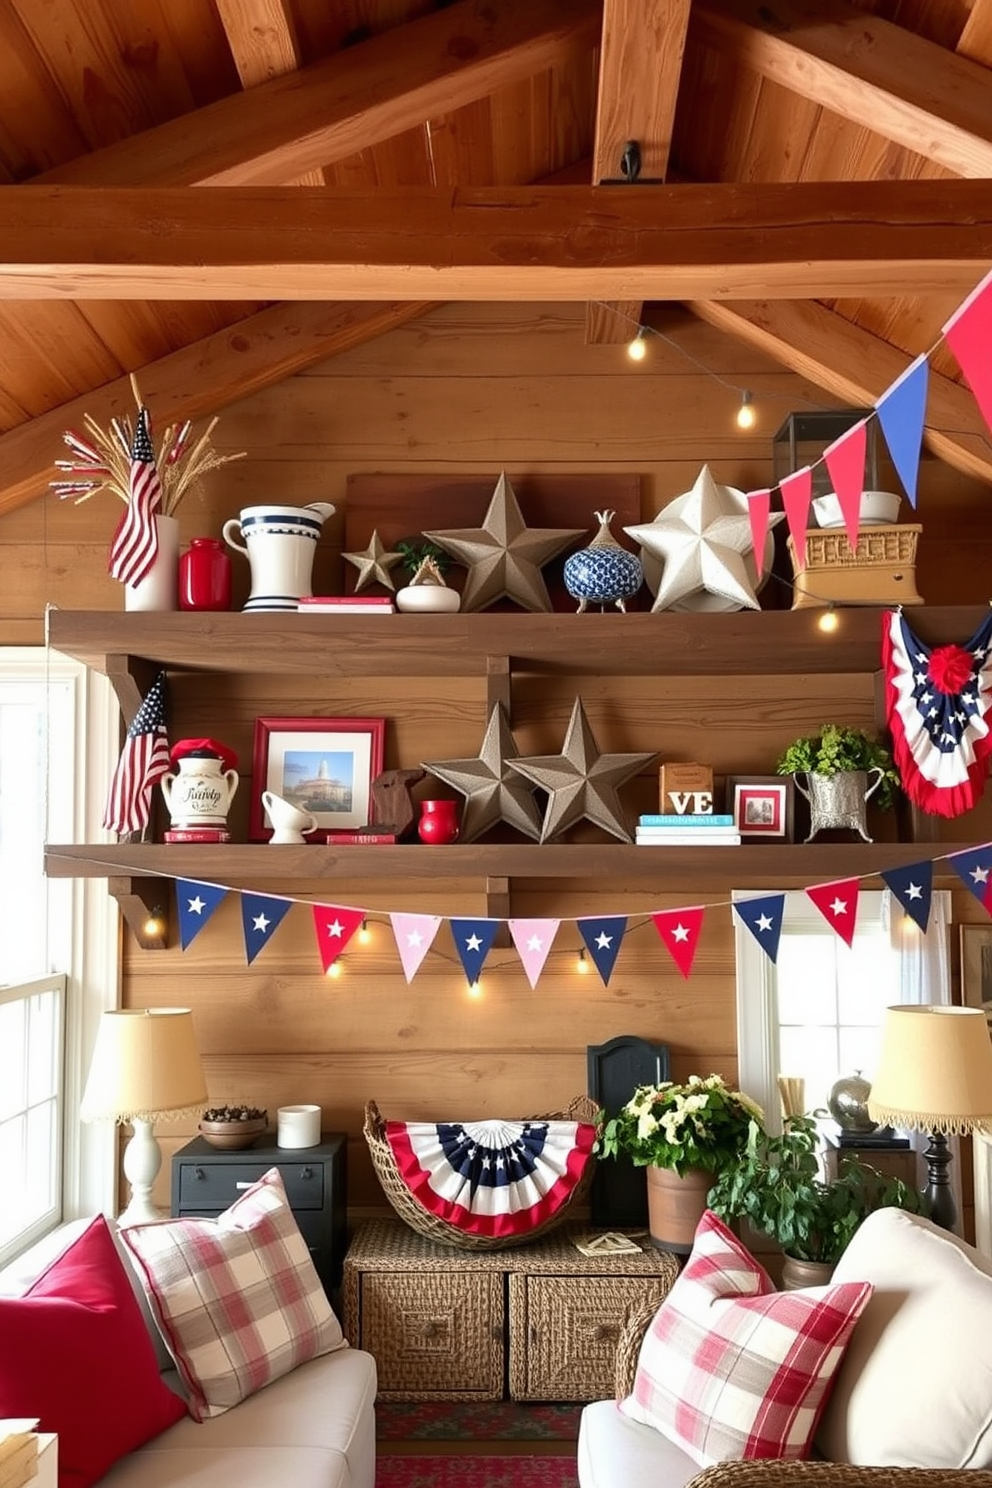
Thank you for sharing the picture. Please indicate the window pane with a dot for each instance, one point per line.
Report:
(807, 978)
(13, 1090)
(43, 1047)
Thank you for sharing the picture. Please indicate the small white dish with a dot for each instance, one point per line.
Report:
(878, 509)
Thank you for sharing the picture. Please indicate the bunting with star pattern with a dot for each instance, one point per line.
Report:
(197, 902)
(261, 916)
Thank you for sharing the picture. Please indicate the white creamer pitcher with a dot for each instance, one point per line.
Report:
(289, 822)
(200, 792)
(279, 543)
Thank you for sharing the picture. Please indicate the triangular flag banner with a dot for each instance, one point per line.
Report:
(845, 460)
(533, 940)
(679, 929)
(473, 942)
(797, 493)
(414, 935)
(974, 869)
(759, 504)
(901, 412)
(763, 917)
(969, 335)
(261, 916)
(334, 925)
(838, 904)
(602, 940)
(196, 902)
(913, 887)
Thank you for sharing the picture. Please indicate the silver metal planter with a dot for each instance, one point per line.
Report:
(838, 800)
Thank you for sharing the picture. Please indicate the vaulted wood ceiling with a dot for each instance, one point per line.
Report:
(811, 177)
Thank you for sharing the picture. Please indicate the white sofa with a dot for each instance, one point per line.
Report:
(314, 1428)
(911, 1402)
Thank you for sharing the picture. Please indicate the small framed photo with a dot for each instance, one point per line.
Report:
(322, 765)
(762, 805)
(976, 968)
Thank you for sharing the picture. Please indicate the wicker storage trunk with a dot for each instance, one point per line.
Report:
(880, 570)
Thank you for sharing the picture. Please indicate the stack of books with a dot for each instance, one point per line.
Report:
(346, 604)
(687, 831)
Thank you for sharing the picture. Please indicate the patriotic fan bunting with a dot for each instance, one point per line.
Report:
(901, 412)
(937, 703)
(197, 902)
(679, 929)
(913, 887)
(602, 939)
(533, 940)
(261, 916)
(974, 869)
(334, 925)
(763, 917)
(414, 935)
(473, 942)
(491, 1178)
(135, 544)
(845, 462)
(838, 904)
(797, 493)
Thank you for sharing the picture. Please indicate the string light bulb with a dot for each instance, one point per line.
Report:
(745, 414)
(475, 989)
(637, 349)
(334, 970)
(154, 926)
(364, 933)
(582, 965)
(828, 620)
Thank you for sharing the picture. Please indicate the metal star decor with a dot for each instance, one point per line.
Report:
(493, 791)
(582, 784)
(374, 564)
(703, 537)
(504, 557)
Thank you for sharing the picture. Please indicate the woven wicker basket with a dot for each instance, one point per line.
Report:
(413, 1213)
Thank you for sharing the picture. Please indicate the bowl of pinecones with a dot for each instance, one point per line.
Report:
(233, 1128)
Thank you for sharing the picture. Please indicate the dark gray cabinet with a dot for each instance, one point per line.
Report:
(206, 1181)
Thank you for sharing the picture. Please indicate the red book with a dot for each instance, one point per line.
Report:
(345, 601)
(197, 834)
(365, 836)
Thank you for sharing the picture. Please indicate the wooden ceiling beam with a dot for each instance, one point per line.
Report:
(975, 40)
(864, 69)
(356, 98)
(200, 380)
(515, 243)
(640, 65)
(851, 364)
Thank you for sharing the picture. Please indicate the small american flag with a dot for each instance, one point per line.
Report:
(144, 760)
(135, 545)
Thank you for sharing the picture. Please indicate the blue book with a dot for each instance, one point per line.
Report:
(686, 821)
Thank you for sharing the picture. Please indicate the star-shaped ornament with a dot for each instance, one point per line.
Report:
(374, 564)
(705, 542)
(504, 557)
(493, 791)
(581, 783)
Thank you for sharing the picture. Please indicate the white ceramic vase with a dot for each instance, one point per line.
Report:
(279, 543)
(159, 589)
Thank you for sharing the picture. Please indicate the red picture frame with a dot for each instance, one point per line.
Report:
(762, 806)
(323, 765)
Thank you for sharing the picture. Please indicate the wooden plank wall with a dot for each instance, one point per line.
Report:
(473, 389)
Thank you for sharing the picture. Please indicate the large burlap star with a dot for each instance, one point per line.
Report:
(374, 564)
(582, 783)
(703, 537)
(493, 791)
(504, 557)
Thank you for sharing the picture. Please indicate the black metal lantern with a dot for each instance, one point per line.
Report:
(804, 436)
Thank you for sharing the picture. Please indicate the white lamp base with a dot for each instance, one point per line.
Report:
(142, 1161)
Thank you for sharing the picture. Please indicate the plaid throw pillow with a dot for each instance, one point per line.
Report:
(237, 1297)
(729, 1367)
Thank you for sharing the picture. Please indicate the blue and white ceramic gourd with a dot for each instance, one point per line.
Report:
(604, 572)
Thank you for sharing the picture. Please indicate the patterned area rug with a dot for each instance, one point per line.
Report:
(482, 1420)
(476, 1472)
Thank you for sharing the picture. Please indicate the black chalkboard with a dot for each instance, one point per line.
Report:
(618, 1197)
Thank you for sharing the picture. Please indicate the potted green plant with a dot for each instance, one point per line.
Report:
(684, 1135)
(775, 1185)
(836, 763)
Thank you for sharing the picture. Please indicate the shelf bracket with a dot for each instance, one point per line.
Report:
(498, 685)
(144, 903)
(498, 908)
(131, 677)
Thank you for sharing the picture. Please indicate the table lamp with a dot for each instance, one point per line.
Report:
(145, 1067)
(935, 1075)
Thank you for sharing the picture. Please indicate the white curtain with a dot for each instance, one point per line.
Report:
(925, 977)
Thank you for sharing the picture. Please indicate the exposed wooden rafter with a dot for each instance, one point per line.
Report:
(848, 362)
(864, 69)
(527, 243)
(639, 69)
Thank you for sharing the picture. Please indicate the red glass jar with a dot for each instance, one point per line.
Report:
(438, 821)
(205, 576)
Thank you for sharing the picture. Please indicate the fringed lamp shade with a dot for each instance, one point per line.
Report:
(935, 1075)
(146, 1067)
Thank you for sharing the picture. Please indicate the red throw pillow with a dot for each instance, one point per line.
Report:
(75, 1352)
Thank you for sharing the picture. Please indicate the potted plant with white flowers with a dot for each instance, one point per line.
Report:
(685, 1135)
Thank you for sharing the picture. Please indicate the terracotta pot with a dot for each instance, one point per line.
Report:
(675, 1207)
(798, 1274)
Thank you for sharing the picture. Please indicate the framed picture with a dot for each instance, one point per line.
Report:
(762, 805)
(976, 968)
(322, 765)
